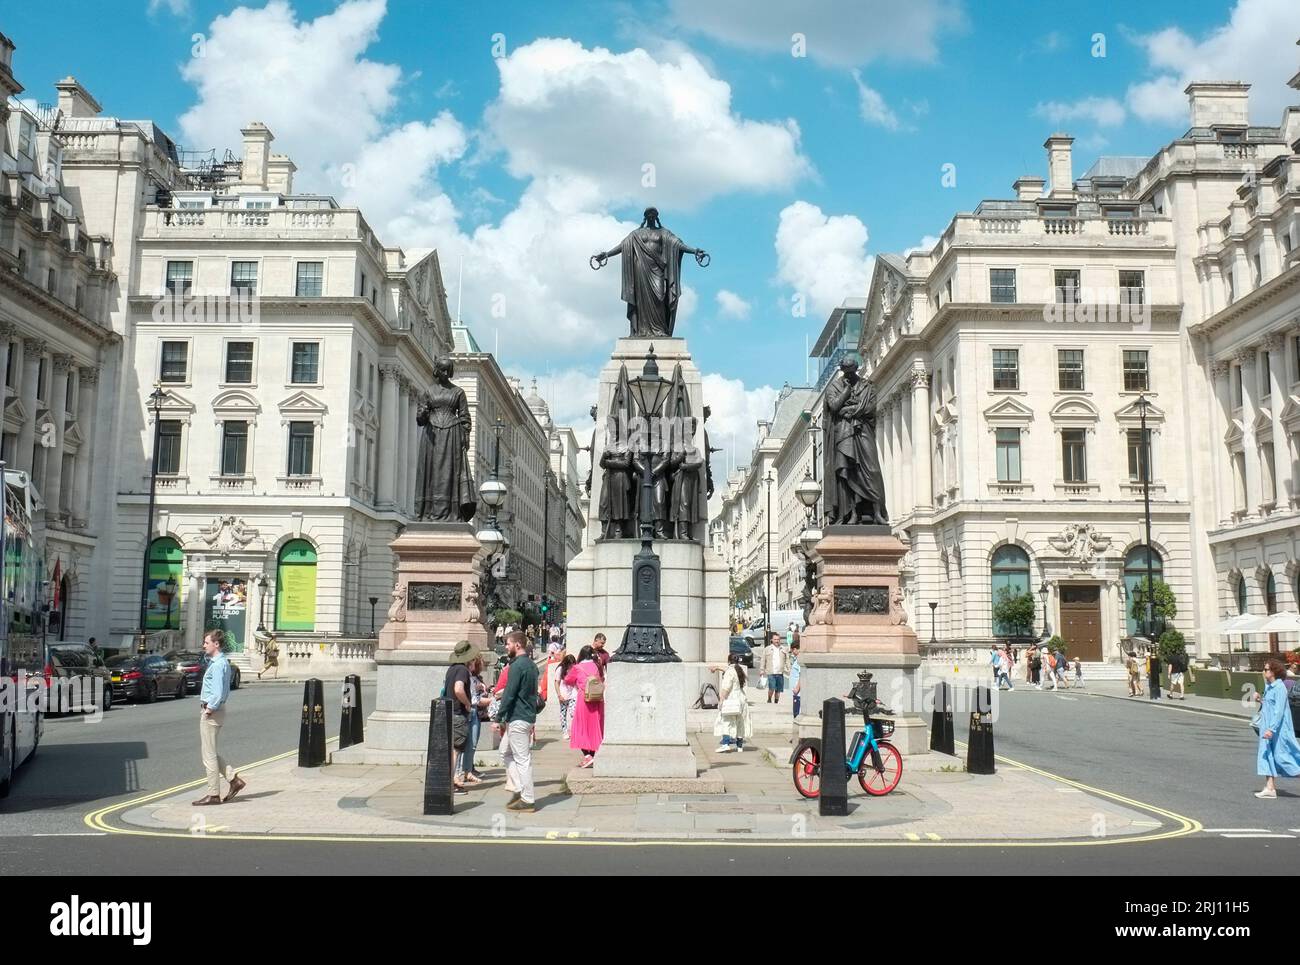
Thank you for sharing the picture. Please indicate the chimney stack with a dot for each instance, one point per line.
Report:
(75, 100)
(257, 154)
(1219, 103)
(1060, 172)
(1029, 187)
(279, 174)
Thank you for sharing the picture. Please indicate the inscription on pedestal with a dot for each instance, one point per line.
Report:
(868, 600)
(433, 596)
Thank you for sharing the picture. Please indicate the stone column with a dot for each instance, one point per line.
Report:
(909, 451)
(33, 349)
(388, 437)
(406, 421)
(53, 435)
(7, 333)
(923, 483)
(1283, 481)
(1248, 359)
(89, 378)
(1222, 375)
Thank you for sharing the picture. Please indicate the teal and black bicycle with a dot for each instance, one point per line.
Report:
(871, 756)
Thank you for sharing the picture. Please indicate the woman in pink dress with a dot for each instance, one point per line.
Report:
(587, 729)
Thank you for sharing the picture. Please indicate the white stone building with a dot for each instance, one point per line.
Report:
(57, 283)
(1244, 329)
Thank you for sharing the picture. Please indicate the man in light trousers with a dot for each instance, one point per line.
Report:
(519, 711)
(213, 696)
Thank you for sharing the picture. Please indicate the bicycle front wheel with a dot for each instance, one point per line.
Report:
(807, 770)
(879, 782)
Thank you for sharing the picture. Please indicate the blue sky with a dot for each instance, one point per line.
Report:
(513, 136)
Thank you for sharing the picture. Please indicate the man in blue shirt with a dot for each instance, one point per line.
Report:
(213, 696)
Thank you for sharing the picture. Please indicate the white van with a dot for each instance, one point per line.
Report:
(781, 620)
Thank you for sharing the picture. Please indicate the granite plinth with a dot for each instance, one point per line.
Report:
(645, 723)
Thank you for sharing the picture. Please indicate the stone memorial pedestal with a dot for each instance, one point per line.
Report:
(860, 625)
(433, 608)
(645, 750)
(695, 589)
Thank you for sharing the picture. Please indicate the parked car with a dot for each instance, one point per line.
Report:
(739, 645)
(77, 665)
(145, 678)
(192, 663)
(234, 673)
(781, 620)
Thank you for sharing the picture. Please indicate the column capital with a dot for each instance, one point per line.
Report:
(919, 377)
(1220, 368)
(1273, 341)
(8, 330)
(1247, 355)
(89, 375)
(63, 363)
(34, 347)
(390, 371)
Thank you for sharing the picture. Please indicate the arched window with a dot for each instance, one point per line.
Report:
(295, 587)
(1270, 594)
(1010, 578)
(1135, 574)
(163, 599)
(1241, 594)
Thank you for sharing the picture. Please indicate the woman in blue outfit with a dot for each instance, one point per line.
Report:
(1279, 751)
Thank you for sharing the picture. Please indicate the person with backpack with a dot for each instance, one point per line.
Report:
(1177, 667)
(733, 724)
(1134, 674)
(587, 729)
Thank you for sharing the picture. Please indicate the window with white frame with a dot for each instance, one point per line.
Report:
(1139, 455)
(1074, 455)
(311, 279)
(243, 277)
(234, 448)
(239, 363)
(1006, 369)
(305, 366)
(302, 445)
(1069, 369)
(174, 363)
(180, 277)
(1137, 375)
(1002, 286)
(1008, 455)
(169, 446)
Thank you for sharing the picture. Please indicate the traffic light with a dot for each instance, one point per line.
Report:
(545, 605)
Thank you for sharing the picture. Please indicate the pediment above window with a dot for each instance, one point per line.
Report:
(302, 405)
(1130, 415)
(1008, 412)
(236, 403)
(1075, 411)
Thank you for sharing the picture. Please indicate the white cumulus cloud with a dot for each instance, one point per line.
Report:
(1102, 111)
(624, 127)
(822, 257)
(842, 33)
(872, 106)
(1256, 45)
(732, 305)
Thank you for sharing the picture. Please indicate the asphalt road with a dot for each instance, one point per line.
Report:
(1193, 764)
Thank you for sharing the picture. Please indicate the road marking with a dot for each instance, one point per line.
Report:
(1068, 790)
(1145, 824)
(70, 834)
(911, 836)
(1167, 706)
(932, 836)
(1259, 835)
(1062, 697)
(1184, 826)
(1235, 830)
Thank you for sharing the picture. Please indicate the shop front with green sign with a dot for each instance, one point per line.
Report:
(295, 587)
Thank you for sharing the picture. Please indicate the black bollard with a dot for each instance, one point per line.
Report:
(352, 727)
(439, 795)
(979, 747)
(834, 798)
(311, 736)
(942, 736)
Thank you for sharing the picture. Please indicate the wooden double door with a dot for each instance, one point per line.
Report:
(1081, 620)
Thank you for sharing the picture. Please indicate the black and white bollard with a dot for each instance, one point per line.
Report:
(311, 735)
(942, 736)
(834, 798)
(439, 794)
(979, 746)
(352, 724)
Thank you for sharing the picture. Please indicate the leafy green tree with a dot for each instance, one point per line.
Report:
(1013, 614)
(1166, 605)
(1172, 644)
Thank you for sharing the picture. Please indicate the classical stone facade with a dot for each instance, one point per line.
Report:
(59, 351)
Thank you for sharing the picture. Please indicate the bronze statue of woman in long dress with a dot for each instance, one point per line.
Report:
(652, 270)
(855, 486)
(444, 487)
